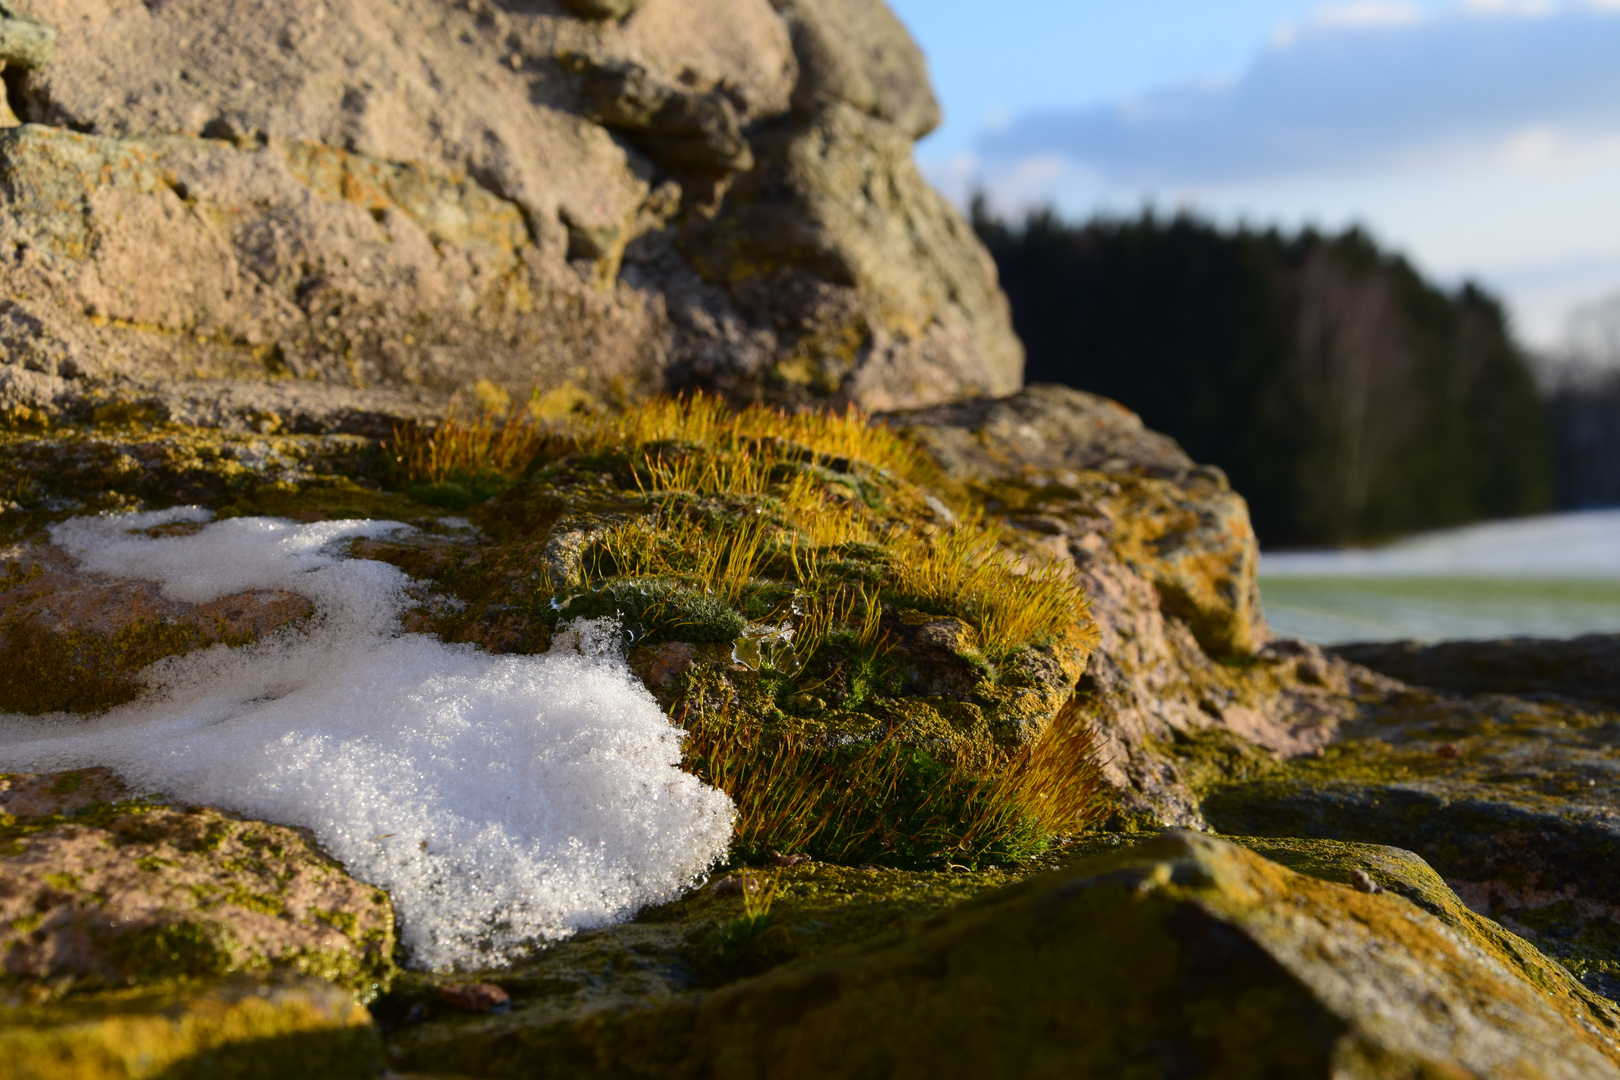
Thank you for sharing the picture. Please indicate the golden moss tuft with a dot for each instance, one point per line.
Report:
(897, 804)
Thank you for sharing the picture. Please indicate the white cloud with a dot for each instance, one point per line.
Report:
(1531, 8)
(1484, 141)
(1360, 14)
(1368, 13)
(1363, 85)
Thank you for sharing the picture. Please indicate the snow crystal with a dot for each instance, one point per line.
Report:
(499, 799)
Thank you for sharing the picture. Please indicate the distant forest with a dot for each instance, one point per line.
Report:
(1347, 398)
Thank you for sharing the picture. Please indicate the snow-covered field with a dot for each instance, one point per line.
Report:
(1551, 576)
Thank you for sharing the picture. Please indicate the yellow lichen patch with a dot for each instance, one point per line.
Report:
(289, 1028)
(1185, 950)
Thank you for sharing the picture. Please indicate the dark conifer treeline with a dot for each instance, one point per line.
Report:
(1346, 397)
(1586, 420)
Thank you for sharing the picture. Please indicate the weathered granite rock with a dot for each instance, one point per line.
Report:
(1183, 956)
(237, 1029)
(1587, 667)
(213, 203)
(1514, 801)
(100, 890)
(1168, 559)
(70, 642)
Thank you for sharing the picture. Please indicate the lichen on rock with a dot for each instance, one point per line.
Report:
(101, 890)
(233, 1028)
(397, 201)
(1186, 953)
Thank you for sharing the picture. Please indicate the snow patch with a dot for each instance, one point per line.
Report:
(1579, 545)
(499, 799)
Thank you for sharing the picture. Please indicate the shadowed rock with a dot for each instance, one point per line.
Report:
(1586, 667)
(1184, 956)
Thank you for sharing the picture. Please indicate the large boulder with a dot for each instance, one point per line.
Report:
(1186, 956)
(211, 205)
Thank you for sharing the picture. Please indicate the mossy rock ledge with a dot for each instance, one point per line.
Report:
(1305, 946)
(1185, 955)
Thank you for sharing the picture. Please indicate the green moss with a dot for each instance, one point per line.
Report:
(1214, 756)
(42, 671)
(259, 902)
(655, 610)
(174, 950)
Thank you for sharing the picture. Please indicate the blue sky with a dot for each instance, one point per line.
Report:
(1482, 137)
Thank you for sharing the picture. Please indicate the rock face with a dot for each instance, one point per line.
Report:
(1586, 667)
(99, 890)
(1168, 559)
(1187, 956)
(211, 207)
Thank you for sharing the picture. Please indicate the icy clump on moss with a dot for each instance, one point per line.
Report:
(499, 799)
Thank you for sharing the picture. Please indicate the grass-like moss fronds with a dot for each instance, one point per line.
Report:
(891, 803)
(761, 501)
(708, 421)
(811, 543)
(467, 455)
(724, 561)
(967, 569)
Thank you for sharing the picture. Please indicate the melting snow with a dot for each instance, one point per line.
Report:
(499, 799)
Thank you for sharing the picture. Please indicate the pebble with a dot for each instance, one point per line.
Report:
(476, 997)
(1364, 882)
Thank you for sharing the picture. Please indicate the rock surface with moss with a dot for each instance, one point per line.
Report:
(959, 661)
(1185, 955)
(1512, 800)
(1168, 561)
(99, 890)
